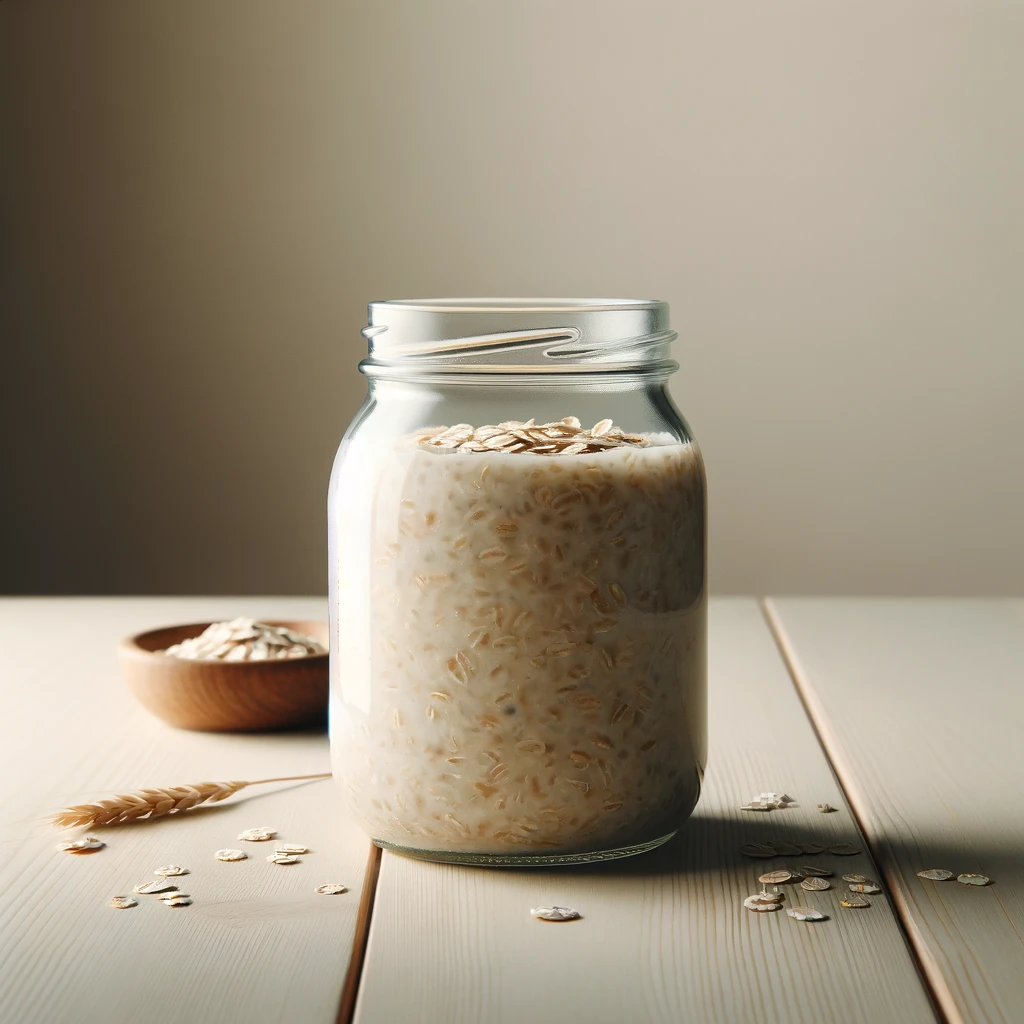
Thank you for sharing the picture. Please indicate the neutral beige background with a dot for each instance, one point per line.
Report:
(200, 197)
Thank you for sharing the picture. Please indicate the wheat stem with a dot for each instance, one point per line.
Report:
(155, 803)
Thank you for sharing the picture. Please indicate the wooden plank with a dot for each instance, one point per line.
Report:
(920, 706)
(259, 944)
(664, 936)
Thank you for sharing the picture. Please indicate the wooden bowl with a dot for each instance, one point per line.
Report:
(226, 696)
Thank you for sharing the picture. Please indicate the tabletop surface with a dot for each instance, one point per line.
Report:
(904, 715)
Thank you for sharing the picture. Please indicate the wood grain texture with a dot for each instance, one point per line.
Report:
(664, 937)
(258, 945)
(920, 705)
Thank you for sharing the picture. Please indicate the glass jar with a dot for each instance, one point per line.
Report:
(517, 574)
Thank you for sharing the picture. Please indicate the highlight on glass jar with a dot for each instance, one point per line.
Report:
(517, 571)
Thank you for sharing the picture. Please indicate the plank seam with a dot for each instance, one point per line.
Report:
(350, 990)
(932, 981)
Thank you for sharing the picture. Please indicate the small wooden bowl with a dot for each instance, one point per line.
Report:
(226, 696)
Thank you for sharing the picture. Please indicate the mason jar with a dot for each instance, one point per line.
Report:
(517, 578)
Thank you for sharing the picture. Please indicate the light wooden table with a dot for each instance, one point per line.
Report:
(908, 716)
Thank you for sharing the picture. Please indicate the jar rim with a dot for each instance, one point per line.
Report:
(505, 336)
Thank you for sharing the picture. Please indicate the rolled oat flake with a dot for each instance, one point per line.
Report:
(168, 897)
(283, 858)
(814, 872)
(169, 870)
(229, 855)
(180, 901)
(854, 901)
(331, 890)
(970, 879)
(935, 874)
(123, 902)
(87, 845)
(294, 848)
(805, 914)
(555, 914)
(813, 848)
(148, 888)
(815, 884)
(843, 849)
(257, 835)
(869, 888)
(856, 878)
(776, 877)
(761, 905)
(758, 850)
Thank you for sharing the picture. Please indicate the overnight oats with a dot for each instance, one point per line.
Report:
(520, 638)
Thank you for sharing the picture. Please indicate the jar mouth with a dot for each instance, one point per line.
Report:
(518, 335)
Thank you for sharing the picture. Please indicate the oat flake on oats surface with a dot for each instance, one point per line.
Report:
(89, 844)
(257, 835)
(331, 890)
(936, 874)
(170, 870)
(123, 902)
(229, 855)
(245, 640)
(148, 888)
(856, 878)
(555, 914)
(972, 879)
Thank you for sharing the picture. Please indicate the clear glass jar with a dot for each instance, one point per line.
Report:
(518, 600)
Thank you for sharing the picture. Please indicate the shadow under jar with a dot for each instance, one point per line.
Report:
(517, 572)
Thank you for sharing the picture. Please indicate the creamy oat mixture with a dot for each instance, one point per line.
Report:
(529, 673)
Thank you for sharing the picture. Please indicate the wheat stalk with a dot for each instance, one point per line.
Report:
(154, 803)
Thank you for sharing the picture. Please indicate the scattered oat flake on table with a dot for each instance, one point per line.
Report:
(257, 835)
(970, 879)
(843, 849)
(856, 878)
(229, 855)
(810, 869)
(170, 870)
(123, 902)
(290, 848)
(148, 888)
(331, 890)
(555, 913)
(813, 848)
(168, 897)
(777, 877)
(757, 850)
(827, 808)
(761, 904)
(936, 874)
(853, 901)
(805, 914)
(815, 884)
(785, 849)
(283, 858)
(87, 845)
(181, 901)
(869, 888)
